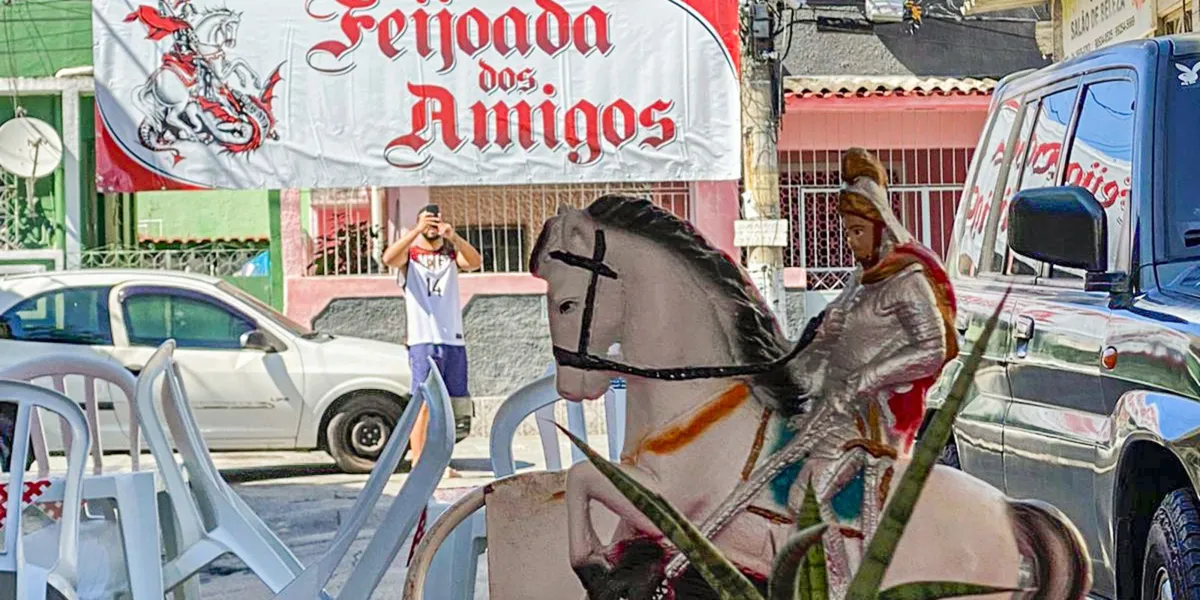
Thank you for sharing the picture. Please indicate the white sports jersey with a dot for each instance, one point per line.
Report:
(431, 297)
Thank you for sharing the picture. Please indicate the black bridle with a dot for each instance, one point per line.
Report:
(582, 359)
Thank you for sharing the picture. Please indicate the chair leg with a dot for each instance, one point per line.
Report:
(143, 555)
(32, 581)
(190, 589)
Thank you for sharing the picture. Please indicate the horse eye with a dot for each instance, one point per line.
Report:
(567, 307)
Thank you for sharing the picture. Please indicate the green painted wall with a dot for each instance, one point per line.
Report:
(203, 215)
(40, 37)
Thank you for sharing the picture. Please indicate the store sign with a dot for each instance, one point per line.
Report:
(194, 94)
(1091, 24)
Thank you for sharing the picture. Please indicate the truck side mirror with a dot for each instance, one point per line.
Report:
(1064, 226)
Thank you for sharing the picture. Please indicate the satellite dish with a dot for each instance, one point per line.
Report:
(29, 147)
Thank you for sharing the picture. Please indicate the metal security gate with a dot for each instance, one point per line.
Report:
(819, 246)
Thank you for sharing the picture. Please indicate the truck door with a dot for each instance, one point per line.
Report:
(1058, 416)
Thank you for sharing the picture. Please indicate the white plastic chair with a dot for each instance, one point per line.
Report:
(127, 498)
(232, 527)
(62, 574)
(58, 367)
(451, 573)
(406, 507)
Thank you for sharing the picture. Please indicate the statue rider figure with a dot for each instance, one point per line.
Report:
(877, 351)
(866, 362)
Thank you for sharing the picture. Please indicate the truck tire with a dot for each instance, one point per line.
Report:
(1171, 568)
(360, 429)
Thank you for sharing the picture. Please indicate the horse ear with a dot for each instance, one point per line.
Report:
(578, 231)
(564, 209)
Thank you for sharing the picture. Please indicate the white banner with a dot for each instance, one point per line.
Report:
(201, 94)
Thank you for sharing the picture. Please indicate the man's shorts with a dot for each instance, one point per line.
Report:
(450, 360)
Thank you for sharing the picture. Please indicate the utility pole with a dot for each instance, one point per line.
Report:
(761, 232)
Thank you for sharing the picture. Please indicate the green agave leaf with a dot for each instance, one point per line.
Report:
(722, 575)
(936, 590)
(869, 578)
(815, 578)
(787, 571)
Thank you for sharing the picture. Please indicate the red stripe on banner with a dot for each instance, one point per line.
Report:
(116, 171)
(722, 15)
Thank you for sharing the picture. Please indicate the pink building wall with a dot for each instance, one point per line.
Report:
(879, 122)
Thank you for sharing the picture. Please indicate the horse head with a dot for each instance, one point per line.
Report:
(573, 232)
(625, 271)
(218, 28)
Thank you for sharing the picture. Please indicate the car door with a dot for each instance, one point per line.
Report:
(72, 321)
(979, 428)
(242, 398)
(1058, 416)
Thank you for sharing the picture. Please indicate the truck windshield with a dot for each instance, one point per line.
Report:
(1182, 226)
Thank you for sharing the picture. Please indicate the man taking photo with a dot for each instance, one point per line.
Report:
(429, 258)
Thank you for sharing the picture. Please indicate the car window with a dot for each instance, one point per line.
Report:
(1039, 169)
(153, 318)
(1101, 157)
(1011, 185)
(980, 196)
(67, 316)
(1179, 227)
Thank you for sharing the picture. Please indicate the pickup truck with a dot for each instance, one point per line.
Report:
(1081, 203)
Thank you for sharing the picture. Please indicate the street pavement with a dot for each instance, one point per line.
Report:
(303, 498)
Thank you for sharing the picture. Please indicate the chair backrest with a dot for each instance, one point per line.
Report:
(29, 398)
(538, 398)
(206, 508)
(187, 512)
(318, 574)
(402, 516)
(58, 367)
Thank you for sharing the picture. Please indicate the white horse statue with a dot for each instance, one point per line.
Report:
(708, 403)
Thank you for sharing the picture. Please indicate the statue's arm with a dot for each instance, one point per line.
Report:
(923, 354)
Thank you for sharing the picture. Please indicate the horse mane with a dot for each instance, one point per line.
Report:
(758, 338)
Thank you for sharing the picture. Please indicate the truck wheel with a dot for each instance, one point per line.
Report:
(1171, 569)
(359, 431)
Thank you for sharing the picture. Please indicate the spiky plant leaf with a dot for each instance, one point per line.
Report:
(936, 590)
(722, 575)
(815, 576)
(789, 577)
(869, 578)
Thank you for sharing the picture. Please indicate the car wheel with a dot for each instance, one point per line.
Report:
(360, 430)
(1171, 568)
(949, 455)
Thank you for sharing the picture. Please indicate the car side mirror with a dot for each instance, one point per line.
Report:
(1064, 226)
(259, 340)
